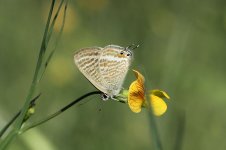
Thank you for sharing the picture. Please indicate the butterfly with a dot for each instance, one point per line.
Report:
(105, 68)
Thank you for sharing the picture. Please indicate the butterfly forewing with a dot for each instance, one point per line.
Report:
(87, 61)
(113, 68)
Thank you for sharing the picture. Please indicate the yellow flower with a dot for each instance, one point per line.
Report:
(136, 97)
(157, 103)
(136, 93)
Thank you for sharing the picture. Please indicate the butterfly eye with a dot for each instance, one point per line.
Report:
(129, 53)
(121, 53)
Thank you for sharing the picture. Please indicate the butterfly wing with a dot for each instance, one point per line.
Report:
(113, 68)
(87, 61)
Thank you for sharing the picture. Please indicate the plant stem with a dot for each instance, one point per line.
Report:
(32, 103)
(9, 124)
(58, 37)
(12, 134)
(180, 131)
(154, 131)
(53, 22)
(37, 70)
(157, 145)
(5, 142)
(59, 111)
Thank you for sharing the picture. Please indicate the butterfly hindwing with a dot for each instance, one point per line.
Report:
(87, 61)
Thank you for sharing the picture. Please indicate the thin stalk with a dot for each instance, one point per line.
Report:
(4, 129)
(57, 40)
(154, 131)
(5, 142)
(157, 145)
(180, 131)
(37, 70)
(59, 111)
(53, 22)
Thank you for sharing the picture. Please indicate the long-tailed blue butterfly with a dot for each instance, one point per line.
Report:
(105, 68)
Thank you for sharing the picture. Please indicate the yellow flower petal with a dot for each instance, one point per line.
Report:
(160, 93)
(158, 105)
(140, 77)
(136, 93)
(136, 97)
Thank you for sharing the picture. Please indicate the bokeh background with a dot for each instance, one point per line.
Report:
(182, 51)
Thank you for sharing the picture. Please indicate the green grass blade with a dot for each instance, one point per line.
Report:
(53, 22)
(57, 40)
(9, 123)
(5, 142)
(37, 70)
(32, 103)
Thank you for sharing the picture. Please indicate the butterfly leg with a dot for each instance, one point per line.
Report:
(113, 98)
(105, 97)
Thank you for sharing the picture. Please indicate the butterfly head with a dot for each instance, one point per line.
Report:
(121, 52)
(129, 49)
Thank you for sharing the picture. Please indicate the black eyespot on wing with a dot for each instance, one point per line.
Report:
(121, 52)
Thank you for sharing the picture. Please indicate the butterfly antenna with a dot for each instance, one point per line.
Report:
(135, 46)
(132, 47)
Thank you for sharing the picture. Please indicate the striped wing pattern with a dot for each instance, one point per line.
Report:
(113, 69)
(104, 67)
(87, 61)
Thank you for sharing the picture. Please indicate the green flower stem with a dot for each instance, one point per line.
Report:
(180, 130)
(153, 128)
(59, 111)
(154, 132)
(9, 124)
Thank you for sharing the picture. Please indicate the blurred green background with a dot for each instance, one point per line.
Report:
(182, 51)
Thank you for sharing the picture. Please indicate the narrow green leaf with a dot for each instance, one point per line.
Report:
(5, 142)
(57, 40)
(53, 22)
(9, 124)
